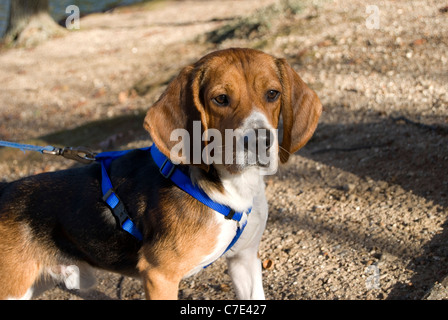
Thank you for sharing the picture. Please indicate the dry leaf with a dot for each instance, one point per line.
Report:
(123, 96)
(224, 287)
(268, 264)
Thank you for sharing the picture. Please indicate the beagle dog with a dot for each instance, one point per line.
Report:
(58, 226)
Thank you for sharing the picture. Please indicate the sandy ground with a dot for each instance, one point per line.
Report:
(359, 213)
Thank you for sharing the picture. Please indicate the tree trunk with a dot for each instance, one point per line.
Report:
(30, 23)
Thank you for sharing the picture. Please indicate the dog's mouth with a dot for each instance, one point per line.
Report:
(257, 159)
(251, 160)
(254, 148)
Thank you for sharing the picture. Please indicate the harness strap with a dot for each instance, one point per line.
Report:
(111, 198)
(169, 171)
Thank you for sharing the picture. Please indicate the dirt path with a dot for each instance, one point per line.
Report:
(359, 213)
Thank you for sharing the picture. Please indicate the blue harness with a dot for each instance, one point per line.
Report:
(169, 171)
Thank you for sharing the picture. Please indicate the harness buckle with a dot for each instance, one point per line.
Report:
(118, 209)
(230, 215)
(170, 171)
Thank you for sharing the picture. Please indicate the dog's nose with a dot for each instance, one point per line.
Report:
(262, 139)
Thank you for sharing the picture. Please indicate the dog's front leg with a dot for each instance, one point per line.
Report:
(245, 271)
(158, 286)
(242, 260)
(159, 283)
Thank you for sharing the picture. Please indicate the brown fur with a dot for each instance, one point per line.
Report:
(21, 261)
(301, 110)
(188, 98)
(174, 251)
(179, 232)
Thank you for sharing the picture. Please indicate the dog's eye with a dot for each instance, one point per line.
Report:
(272, 95)
(221, 100)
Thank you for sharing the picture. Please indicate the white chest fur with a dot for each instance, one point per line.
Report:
(241, 193)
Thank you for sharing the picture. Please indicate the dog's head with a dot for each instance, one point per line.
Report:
(224, 110)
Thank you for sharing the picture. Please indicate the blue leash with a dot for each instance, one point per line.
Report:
(81, 154)
(166, 167)
(28, 147)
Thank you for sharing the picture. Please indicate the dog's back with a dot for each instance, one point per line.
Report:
(2, 188)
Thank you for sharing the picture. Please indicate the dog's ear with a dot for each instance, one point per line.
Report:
(301, 109)
(178, 117)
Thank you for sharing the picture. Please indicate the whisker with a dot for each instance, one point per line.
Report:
(285, 150)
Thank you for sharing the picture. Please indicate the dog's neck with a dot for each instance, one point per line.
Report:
(236, 190)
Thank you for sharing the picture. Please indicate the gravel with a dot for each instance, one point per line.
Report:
(359, 213)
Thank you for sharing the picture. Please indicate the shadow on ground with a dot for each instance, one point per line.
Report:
(402, 153)
(103, 134)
